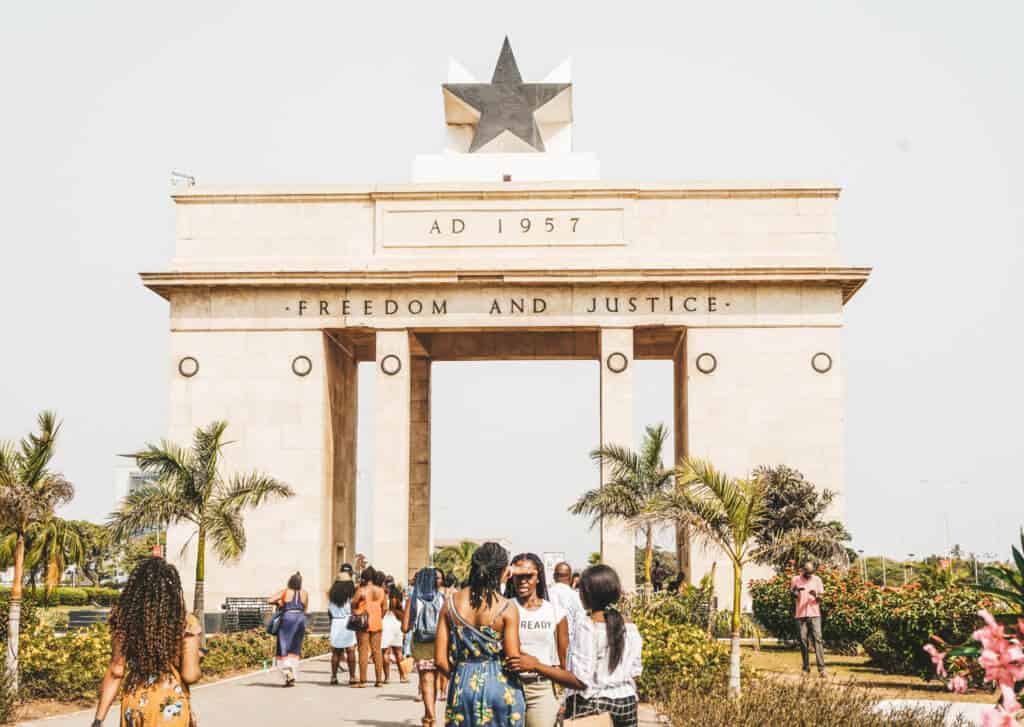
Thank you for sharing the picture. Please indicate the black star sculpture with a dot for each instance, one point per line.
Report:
(506, 103)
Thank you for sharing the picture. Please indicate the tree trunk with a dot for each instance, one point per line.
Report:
(52, 577)
(198, 599)
(14, 616)
(648, 560)
(734, 652)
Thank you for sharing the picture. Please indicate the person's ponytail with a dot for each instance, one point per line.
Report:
(615, 628)
(486, 568)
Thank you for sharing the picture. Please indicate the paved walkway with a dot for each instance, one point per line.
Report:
(259, 699)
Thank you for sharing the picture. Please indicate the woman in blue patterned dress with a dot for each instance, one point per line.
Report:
(477, 630)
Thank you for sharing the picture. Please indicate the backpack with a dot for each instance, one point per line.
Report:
(427, 612)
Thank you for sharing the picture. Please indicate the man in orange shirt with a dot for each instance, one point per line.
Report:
(807, 590)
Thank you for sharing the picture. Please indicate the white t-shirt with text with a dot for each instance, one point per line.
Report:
(538, 630)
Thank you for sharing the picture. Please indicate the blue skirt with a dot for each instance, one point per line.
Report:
(291, 633)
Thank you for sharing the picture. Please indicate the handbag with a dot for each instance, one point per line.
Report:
(591, 720)
(359, 622)
(275, 623)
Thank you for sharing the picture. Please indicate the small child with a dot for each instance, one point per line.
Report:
(392, 640)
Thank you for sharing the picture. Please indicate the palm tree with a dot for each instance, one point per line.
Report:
(456, 559)
(635, 481)
(730, 514)
(57, 543)
(189, 488)
(29, 494)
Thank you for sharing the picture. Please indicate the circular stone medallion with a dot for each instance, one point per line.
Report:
(821, 362)
(617, 362)
(706, 363)
(188, 367)
(391, 364)
(302, 365)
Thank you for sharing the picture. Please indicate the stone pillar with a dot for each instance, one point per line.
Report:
(617, 548)
(342, 394)
(390, 551)
(419, 468)
(681, 431)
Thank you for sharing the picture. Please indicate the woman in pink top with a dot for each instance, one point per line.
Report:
(807, 590)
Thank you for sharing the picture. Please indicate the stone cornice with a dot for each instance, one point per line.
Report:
(498, 191)
(849, 279)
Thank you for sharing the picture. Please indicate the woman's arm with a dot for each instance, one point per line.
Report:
(358, 598)
(304, 597)
(407, 615)
(510, 630)
(111, 681)
(276, 600)
(557, 674)
(441, 642)
(190, 670)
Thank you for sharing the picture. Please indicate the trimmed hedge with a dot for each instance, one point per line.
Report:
(892, 624)
(69, 596)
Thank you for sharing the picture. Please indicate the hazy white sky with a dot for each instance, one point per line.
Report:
(914, 108)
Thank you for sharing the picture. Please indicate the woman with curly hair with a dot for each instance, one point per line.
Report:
(477, 630)
(154, 650)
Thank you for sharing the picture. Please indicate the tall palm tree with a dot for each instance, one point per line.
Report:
(456, 559)
(189, 488)
(29, 494)
(56, 544)
(635, 481)
(730, 514)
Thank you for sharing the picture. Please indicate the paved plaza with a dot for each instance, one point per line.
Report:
(259, 699)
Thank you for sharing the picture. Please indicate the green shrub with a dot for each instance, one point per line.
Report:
(783, 703)
(105, 597)
(249, 650)
(66, 668)
(29, 615)
(678, 653)
(8, 697)
(691, 605)
(72, 596)
(891, 623)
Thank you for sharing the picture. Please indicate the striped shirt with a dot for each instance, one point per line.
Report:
(588, 661)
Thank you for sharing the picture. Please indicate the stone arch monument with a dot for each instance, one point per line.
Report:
(505, 246)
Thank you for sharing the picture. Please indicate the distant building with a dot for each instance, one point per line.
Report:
(128, 479)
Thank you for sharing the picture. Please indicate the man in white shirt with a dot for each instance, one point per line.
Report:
(561, 594)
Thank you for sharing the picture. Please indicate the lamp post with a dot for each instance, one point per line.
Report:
(883, 570)
(863, 564)
(907, 569)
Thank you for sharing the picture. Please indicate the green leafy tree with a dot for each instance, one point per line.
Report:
(29, 494)
(635, 481)
(97, 551)
(795, 504)
(56, 544)
(188, 488)
(730, 514)
(662, 559)
(456, 559)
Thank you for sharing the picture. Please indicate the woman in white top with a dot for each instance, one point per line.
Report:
(339, 608)
(543, 641)
(605, 655)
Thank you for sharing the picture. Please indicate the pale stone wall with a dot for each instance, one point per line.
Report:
(764, 404)
(277, 425)
(342, 372)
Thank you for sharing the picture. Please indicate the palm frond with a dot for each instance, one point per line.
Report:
(821, 542)
(170, 464)
(206, 449)
(38, 449)
(225, 531)
(151, 507)
(251, 490)
(621, 461)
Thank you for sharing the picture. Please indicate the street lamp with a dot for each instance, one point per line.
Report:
(863, 564)
(883, 570)
(907, 568)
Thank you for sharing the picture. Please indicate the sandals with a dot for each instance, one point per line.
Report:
(334, 681)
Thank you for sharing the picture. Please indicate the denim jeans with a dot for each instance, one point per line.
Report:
(812, 624)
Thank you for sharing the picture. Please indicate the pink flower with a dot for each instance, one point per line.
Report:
(957, 684)
(937, 659)
(1001, 657)
(996, 718)
(1009, 703)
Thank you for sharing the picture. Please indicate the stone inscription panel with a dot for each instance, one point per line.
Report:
(509, 226)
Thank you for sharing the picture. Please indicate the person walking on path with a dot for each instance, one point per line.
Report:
(543, 641)
(421, 620)
(370, 601)
(392, 637)
(604, 653)
(477, 631)
(343, 640)
(807, 590)
(562, 594)
(293, 602)
(155, 650)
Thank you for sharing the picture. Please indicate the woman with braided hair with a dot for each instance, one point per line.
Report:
(477, 631)
(154, 652)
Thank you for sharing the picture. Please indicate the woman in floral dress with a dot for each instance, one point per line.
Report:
(155, 651)
(477, 630)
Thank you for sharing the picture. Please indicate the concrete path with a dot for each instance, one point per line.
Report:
(969, 710)
(259, 699)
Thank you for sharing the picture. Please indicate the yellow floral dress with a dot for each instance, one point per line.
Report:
(162, 701)
(482, 693)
